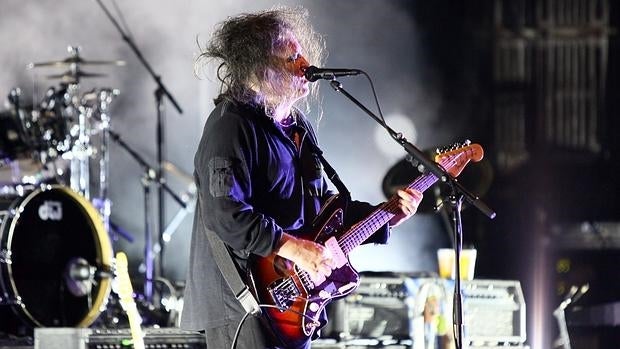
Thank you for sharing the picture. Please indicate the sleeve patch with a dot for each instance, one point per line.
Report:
(221, 177)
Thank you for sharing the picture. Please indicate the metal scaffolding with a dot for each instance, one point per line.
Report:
(550, 67)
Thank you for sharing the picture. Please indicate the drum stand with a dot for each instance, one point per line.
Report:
(82, 148)
(80, 160)
(102, 203)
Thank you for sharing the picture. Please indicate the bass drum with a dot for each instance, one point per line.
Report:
(55, 257)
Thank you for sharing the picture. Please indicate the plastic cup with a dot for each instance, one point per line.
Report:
(445, 261)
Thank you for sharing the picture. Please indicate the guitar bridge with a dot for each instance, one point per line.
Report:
(283, 292)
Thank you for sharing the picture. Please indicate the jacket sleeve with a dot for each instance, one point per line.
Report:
(223, 165)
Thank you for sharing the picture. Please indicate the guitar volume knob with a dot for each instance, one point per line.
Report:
(313, 307)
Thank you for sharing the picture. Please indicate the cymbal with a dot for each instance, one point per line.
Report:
(175, 170)
(77, 60)
(73, 77)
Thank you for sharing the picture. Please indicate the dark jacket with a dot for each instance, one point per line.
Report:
(253, 184)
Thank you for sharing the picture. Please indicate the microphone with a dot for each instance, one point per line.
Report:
(313, 73)
(79, 276)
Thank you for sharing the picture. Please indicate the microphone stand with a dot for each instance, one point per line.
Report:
(456, 202)
(159, 93)
(149, 176)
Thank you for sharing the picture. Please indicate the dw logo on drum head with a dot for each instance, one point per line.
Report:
(51, 210)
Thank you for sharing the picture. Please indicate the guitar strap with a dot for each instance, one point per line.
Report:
(226, 265)
(331, 173)
(329, 170)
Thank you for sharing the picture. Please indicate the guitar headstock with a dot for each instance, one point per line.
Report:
(125, 295)
(123, 286)
(455, 157)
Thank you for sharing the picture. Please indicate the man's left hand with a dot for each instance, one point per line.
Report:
(408, 202)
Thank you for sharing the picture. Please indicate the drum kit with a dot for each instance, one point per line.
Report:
(56, 256)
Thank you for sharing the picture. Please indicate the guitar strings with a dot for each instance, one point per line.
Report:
(422, 182)
(351, 239)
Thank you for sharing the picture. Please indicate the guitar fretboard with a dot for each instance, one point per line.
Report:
(361, 231)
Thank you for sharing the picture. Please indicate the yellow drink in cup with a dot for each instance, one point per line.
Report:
(445, 261)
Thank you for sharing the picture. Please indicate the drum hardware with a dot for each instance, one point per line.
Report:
(74, 59)
(149, 176)
(160, 93)
(15, 140)
(43, 281)
(173, 169)
(120, 232)
(14, 99)
(74, 76)
(10, 191)
(96, 104)
(84, 116)
(11, 301)
(104, 98)
(172, 302)
(188, 197)
(74, 63)
(5, 256)
(75, 127)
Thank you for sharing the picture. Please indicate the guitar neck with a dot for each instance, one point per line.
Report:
(135, 326)
(361, 231)
(125, 293)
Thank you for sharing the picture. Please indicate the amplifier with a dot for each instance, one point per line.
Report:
(86, 338)
(386, 306)
(390, 306)
(493, 311)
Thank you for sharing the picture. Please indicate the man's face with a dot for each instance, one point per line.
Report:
(295, 64)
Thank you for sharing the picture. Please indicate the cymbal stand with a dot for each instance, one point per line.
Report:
(102, 202)
(80, 148)
(81, 151)
(189, 197)
(160, 92)
(150, 175)
(161, 212)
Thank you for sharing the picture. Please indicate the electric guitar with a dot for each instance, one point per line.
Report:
(125, 295)
(296, 300)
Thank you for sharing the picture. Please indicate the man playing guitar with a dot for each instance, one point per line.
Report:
(261, 186)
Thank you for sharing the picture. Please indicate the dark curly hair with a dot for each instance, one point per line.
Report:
(244, 46)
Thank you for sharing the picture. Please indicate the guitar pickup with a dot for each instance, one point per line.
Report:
(339, 257)
(283, 292)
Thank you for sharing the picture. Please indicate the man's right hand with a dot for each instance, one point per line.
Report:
(314, 258)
